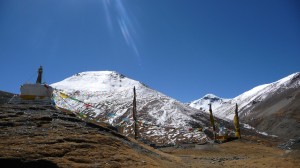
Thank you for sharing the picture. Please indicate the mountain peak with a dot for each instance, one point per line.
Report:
(96, 81)
(210, 96)
(98, 73)
(203, 102)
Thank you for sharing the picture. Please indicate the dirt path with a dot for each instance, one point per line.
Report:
(236, 154)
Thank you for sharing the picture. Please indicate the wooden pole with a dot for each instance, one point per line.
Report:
(134, 115)
(236, 123)
(212, 121)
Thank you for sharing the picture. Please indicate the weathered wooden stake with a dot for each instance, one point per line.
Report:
(236, 123)
(212, 121)
(134, 115)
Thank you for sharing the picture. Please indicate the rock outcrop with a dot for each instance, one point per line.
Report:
(41, 136)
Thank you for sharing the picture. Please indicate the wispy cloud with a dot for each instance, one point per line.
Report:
(115, 11)
(107, 5)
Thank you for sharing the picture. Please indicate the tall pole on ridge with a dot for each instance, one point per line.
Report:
(236, 123)
(134, 114)
(39, 78)
(212, 121)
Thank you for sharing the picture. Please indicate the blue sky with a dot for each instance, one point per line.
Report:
(182, 48)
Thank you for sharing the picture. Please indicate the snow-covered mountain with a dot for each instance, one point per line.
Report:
(107, 96)
(272, 108)
(215, 101)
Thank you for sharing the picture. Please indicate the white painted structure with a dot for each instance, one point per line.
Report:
(34, 91)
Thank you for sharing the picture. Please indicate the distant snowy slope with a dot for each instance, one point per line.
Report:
(269, 107)
(202, 103)
(108, 97)
(256, 95)
(224, 108)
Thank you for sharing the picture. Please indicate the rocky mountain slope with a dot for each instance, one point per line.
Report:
(272, 108)
(41, 136)
(107, 96)
(5, 97)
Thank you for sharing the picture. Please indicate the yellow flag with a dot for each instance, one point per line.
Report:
(63, 95)
(236, 122)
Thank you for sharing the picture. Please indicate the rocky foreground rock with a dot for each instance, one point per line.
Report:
(40, 136)
(5, 97)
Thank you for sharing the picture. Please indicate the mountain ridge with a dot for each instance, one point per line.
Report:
(108, 97)
(257, 102)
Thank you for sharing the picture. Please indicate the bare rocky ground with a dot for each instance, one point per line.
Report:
(41, 136)
(5, 96)
(240, 153)
(38, 136)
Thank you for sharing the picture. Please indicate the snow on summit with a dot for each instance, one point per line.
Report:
(202, 103)
(96, 81)
(108, 98)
